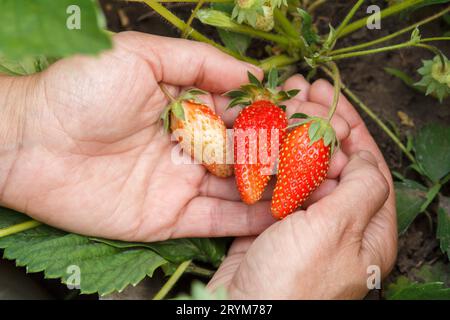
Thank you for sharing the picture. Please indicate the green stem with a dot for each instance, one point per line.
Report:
(185, 33)
(172, 280)
(435, 39)
(374, 117)
(385, 49)
(431, 194)
(19, 228)
(393, 35)
(277, 61)
(347, 18)
(285, 24)
(384, 13)
(337, 89)
(194, 34)
(435, 50)
(313, 6)
(199, 271)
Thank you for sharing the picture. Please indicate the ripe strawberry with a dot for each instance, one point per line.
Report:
(200, 132)
(303, 165)
(254, 154)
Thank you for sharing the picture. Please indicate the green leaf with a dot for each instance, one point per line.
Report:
(33, 28)
(410, 198)
(432, 146)
(24, 66)
(299, 115)
(437, 272)
(179, 250)
(105, 265)
(178, 110)
(272, 79)
(10, 217)
(102, 268)
(443, 225)
(236, 42)
(254, 80)
(307, 30)
(401, 75)
(405, 289)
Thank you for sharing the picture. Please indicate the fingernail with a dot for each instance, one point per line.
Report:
(253, 68)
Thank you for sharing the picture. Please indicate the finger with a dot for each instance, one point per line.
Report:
(322, 92)
(224, 275)
(359, 139)
(221, 188)
(221, 218)
(187, 63)
(338, 161)
(298, 82)
(361, 193)
(326, 188)
(341, 126)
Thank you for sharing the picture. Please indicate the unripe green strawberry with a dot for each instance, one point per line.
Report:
(435, 78)
(200, 132)
(303, 165)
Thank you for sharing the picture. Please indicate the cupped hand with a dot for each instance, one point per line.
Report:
(93, 158)
(347, 231)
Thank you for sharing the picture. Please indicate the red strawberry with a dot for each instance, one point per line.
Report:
(303, 165)
(253, 170)
(200, 132)
(254, 154)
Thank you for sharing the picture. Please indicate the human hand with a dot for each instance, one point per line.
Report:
(323, 252)
(92, 157)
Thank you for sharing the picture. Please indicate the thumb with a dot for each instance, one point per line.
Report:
(183, 62)
(360, 194)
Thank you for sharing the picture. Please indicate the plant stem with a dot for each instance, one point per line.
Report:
(285, 24)
(435, 39)
(167, 93)
(313, 6)
(374, 117)
(384, 13)
(431, 194)
(172, 280)
(385, 49)
(194, 34)
(185, 33)
(347, 18)
(19, 228)
(277, 61)
(199, 271)
(337, 89)
(391, 36)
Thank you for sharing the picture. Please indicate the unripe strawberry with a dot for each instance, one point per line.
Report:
(200, 132)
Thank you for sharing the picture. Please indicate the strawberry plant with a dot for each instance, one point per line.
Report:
(283, 35)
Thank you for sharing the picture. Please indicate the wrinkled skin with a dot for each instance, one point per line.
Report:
(83, 150)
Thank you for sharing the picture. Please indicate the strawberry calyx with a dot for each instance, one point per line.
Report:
(176, 105)
(256, 91)
(319, 128)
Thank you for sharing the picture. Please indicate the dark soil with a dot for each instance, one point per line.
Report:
(385, 94)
